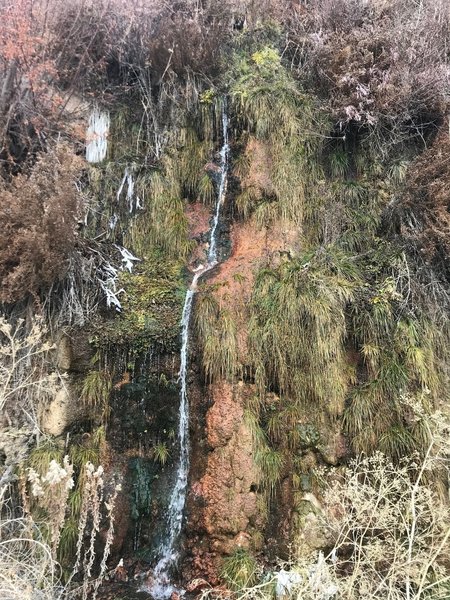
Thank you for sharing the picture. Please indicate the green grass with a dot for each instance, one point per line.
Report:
(239, 570)
(161, 453)
(217, 335)
(298, 328)
(96, 389)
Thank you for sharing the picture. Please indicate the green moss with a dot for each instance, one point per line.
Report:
(151, 307)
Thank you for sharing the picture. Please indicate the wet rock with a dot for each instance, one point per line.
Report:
(225, 507)
(223, 418)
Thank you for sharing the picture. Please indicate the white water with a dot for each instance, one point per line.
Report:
(161, 588)
(224, 153)
(133, 200)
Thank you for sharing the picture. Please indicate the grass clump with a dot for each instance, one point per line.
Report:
(399, 355)
(218, 337)
(239, 570)
(96, 389)
(298, 328)
(271, 106)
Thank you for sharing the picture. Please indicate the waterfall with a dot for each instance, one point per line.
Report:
(224, 153)
(161, 588)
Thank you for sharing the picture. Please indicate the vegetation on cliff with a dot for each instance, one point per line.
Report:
(334, 320)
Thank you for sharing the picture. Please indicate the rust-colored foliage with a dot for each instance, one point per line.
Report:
(427, 199)
(38, 224)
(377, 62)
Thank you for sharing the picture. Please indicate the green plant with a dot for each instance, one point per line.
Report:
(96, 390)
(161, 453)
(298, 328)
(269, 461)
(339, 162)
(217, 334)
(239, 570)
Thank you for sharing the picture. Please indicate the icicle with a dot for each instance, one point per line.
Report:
(128, 259)
(97, 136)
(108, 283)
(108, 275)
(133, 200)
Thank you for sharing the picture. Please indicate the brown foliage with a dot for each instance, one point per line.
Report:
(379, 61)
(426, 204)
(38, 223)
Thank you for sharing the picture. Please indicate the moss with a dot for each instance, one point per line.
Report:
(151, 307)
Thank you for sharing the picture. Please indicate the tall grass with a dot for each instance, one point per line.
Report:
(298, 329)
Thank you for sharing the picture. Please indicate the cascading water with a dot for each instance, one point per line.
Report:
(224, 154)
(161, 587)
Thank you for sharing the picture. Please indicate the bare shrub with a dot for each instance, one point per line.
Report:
(425, 206)
(25, 380)
(38, 220)
(27, 568)
(378, 62)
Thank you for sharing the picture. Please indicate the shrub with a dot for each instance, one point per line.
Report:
(239, 569)
(38, 220)
(379, 63)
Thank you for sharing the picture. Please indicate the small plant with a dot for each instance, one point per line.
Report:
(239, 570)
(207, 97)
(161, 453)
(97, 387)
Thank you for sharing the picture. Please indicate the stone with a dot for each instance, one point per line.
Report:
(63, 411)
(226, 505)
(64, 353)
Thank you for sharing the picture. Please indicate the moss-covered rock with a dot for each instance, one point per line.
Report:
(152, 301)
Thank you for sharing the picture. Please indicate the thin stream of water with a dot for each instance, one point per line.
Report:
(162, 588)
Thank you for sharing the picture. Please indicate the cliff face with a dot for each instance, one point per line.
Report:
(320, 334)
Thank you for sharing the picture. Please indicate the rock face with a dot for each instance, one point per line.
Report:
(223, 502)
(72, 357)
(62, 411)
